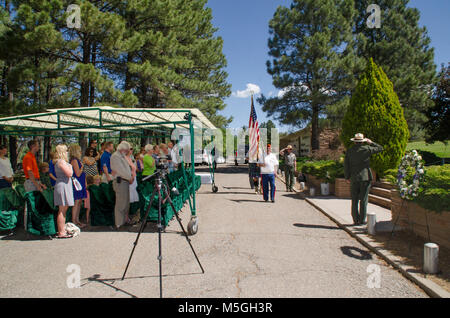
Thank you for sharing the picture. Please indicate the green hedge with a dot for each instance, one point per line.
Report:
(434, 191)
(327, 170)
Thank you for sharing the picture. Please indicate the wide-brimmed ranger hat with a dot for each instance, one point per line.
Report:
(359, 138)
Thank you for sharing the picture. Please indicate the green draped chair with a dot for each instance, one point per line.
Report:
(40, 212)
(102, 210)
(11, 209)
(180, 179)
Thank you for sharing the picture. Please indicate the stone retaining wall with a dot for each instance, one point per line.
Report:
(412, 216)
(342, 188)
(312, 181)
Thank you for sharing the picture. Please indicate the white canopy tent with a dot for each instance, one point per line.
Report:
(106, 119)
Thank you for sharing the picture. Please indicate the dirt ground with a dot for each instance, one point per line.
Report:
(410, 247)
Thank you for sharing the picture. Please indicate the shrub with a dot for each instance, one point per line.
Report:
(327, 170)
(434, 191)
(375, 111)
(391, 176)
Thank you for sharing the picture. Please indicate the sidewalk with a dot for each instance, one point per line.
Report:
(339, 211)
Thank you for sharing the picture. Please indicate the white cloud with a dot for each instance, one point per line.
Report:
(251, 89)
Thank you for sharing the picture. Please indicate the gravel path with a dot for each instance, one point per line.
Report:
(249, 248)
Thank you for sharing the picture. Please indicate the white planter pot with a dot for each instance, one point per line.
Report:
(325, 188)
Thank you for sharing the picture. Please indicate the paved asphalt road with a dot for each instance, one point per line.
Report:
(249, 248)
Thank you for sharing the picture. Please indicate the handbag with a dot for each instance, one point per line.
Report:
(77, 184)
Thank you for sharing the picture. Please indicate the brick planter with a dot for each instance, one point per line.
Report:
(342, 188)
(438, 223)
(312, 181)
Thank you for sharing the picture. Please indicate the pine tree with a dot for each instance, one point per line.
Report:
(312, 50)
(438, 124)
(148, 53)
(402, 49)
(375, 111)
(173, 58)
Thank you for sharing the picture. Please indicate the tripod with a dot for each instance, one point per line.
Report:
(160, 184)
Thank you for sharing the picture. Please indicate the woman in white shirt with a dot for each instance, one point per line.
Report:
(6, 172)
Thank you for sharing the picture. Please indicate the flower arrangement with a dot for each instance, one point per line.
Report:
(411, 159)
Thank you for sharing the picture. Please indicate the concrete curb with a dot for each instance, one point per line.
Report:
(431, 288)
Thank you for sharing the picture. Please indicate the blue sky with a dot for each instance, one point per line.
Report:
(243, 25)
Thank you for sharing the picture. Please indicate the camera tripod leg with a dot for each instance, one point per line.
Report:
(182, 227)
(159, 238)
(141, 229)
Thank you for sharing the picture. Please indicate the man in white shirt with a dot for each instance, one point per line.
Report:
(6, 172)
(269, 168)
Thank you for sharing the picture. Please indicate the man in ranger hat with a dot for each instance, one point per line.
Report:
(290, 166)
(357, 171)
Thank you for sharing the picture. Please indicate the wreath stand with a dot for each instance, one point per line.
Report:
(411, 224)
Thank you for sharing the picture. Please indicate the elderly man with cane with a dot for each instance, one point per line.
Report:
(123, 178)
(357, 171)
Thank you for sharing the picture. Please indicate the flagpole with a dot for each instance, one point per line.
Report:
(257, 145)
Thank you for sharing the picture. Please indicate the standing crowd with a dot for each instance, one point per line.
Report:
(69, 174)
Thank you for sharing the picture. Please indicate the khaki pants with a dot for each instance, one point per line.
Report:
(289, 176)
(122, 207)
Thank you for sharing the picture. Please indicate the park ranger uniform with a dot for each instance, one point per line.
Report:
(289, 170)
(357, 169)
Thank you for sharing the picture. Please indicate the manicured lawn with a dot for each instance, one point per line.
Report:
(439, 148)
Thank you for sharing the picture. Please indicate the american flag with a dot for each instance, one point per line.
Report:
(253, 133)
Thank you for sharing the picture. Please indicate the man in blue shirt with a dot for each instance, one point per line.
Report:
(105, 162)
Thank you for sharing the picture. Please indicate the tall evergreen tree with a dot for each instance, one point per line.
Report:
(173, 58)
(375, 111)
(312, 60)
(151, 53)
(438, 124)
(402, 49)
